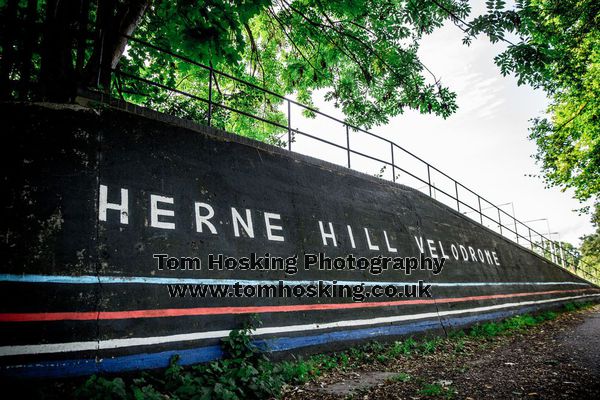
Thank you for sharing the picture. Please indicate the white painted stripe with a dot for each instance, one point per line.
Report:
(91, 279)
(147, 341)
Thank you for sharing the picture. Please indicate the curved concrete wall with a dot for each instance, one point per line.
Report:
(92, 196)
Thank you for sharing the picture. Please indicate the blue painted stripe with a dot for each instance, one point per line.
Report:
(82, 367)
(91, 279)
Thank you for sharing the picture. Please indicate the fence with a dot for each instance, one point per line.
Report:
(470, 203)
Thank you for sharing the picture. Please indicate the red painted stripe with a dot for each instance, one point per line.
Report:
(180, 312)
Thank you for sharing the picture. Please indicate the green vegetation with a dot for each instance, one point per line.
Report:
(405, 347)
(437, 390)
(520, 322)
(554, 45)
(401, 377)
(590, 248)
(246, 372)
(430, 346)
(557, 49)
(361, 53)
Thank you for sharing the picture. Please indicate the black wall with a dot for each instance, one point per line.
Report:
(62, 264)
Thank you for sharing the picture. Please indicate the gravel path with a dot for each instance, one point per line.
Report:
(583, 343)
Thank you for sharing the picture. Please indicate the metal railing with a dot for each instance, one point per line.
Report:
(398, 159)
(23, 44)
(515, 230)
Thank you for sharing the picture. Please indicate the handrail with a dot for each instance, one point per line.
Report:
(554, 257)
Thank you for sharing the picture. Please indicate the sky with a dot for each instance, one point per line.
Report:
(484, 145)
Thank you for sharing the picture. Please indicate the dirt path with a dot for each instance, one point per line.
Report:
(555, 360)
(583, 343)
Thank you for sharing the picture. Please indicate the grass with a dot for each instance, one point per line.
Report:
(317, 365)
(409, 347)
(401, 377)
(516, 323)
(437, 390)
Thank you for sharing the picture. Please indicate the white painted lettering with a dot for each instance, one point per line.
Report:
(496, 261)
(350, 234)
(472, 252)
(432, 248)
(454, 251)
(371, 246)
(480, 255)
(238, 220)
(204, 219)
(464, 252)
(488, 257)
(419, 241)
(270, 227)
(155, 212)
(444, 255)
(387, 242)
(327, 235)
(104, 205)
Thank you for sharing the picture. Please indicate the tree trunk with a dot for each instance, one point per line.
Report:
(57, 78)
(7, 60)
(110, 44)
(28, 47)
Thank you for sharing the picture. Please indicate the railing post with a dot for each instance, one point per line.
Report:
(210, 83)
(480, 212)
(499, 220)
(289, 125)
(429, 179)
(457, 201)
(515, 223)
(348, 143)
(393, 165)
(100, 59)
(543, 247)
(562, 254)
(530, 240)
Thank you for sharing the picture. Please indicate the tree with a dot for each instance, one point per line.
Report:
(364, 52)
(590, 247)
(558, 50)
